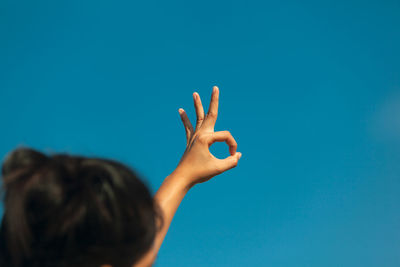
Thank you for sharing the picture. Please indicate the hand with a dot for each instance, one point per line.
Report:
(197, 164)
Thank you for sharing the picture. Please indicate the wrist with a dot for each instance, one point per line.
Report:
(181, 178)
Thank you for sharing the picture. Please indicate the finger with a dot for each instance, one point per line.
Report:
(229, 162)
(212, 114)
(199, 110)
(224, 136)
(186, 123)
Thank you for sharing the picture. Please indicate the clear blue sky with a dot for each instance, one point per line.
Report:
(309, 89)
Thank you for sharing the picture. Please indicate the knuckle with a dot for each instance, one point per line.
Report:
(235, 162)
(212, 114)
(229, 134)
(202, 138)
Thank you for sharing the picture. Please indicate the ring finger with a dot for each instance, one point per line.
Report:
(199, 110)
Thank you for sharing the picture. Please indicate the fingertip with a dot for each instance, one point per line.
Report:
(180, 111)
(239, 154)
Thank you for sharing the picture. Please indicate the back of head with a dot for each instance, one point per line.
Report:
(65, 210)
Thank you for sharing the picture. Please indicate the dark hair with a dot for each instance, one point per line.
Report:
(63, 210)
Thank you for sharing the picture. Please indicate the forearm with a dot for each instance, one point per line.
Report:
(197, 165)
(169, 196)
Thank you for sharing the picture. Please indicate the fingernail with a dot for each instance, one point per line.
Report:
(180, 111)
(240, 155)
(215, 89)
(195, 95)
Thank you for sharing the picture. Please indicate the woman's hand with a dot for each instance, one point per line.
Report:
(197, 164)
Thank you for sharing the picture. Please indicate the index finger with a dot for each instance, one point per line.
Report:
(224, 136)
(213, 109)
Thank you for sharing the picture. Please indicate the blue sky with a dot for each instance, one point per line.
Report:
(309, 89)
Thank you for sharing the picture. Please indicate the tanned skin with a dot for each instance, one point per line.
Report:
(197, 165)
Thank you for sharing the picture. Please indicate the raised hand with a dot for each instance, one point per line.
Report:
(197, 164)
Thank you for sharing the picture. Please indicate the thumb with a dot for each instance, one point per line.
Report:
(230, 162)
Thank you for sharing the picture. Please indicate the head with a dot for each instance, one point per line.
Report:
(63, 210)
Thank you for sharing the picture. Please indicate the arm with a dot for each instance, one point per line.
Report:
(197, 165)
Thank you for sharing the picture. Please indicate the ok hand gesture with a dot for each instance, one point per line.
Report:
(197, 164)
